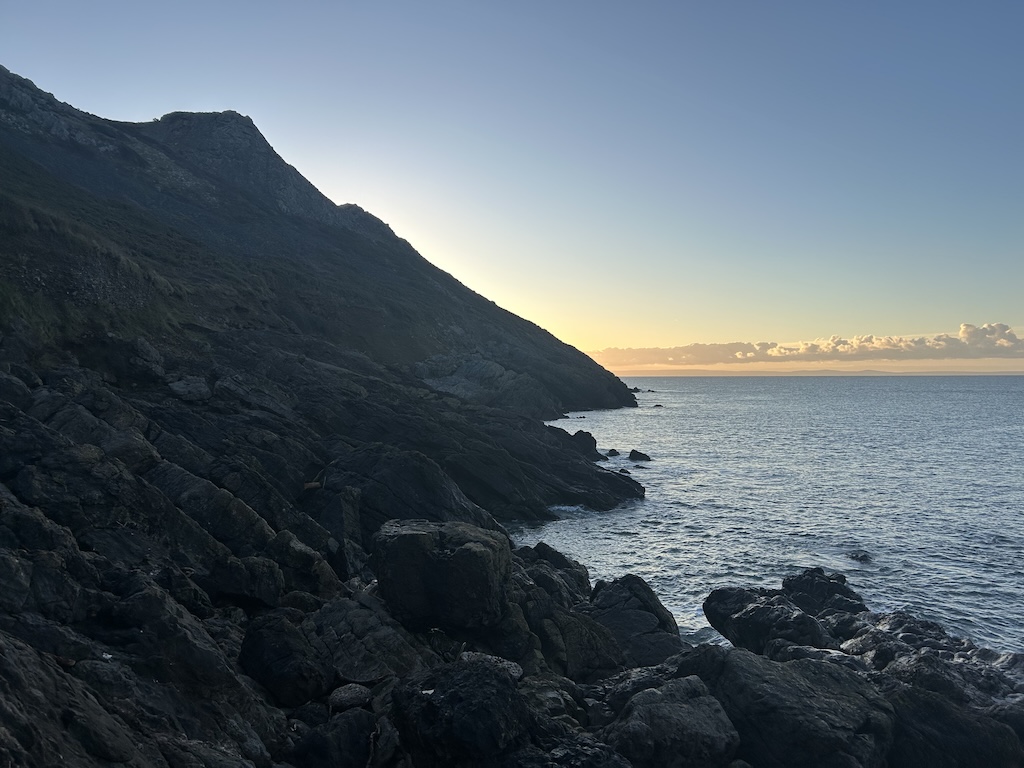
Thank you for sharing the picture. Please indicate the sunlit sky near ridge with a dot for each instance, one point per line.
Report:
(625, 175)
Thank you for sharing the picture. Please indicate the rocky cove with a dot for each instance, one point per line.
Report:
(255, 457)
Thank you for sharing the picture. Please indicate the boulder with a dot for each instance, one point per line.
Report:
(750, 619)
(467, 714)
(676, 725)
(587, 445)
(448, 575)
(803, 713)
(644, 629)
(635, 455)
(814, 592)
(279, 655)
(933, 732)
(344, 741)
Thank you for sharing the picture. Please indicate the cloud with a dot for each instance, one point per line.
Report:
(971, 343)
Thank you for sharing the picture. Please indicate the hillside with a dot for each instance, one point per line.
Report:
(191, 225)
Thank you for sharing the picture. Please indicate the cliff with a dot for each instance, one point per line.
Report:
(191, 225)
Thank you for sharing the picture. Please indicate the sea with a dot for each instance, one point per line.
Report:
(911, 486)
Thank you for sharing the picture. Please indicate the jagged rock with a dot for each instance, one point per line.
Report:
(510, 667)
(587, 445)
(803, 713)
(572, 643)
(450, 575)
(191, 389)
(344, 741)
(676, 725)
(349, 696)
(365, 644)
(278, 654)
(14, 391)
(642, 626)
(561, 576)
(555, 697)
(932, 731)
(463, 714)
(635, 455)
(751, 619)
(815, 592)
(405, 485)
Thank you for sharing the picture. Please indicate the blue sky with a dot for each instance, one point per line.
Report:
(643, 175)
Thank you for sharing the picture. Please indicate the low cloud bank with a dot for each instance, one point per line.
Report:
(991, 340)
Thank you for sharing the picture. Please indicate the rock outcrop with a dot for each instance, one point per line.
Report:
(923, 696)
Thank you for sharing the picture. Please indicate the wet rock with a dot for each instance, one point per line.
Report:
(635, 455)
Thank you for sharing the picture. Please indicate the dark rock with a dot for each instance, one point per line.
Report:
(344, 741)
(462, 714)
(572, 577)
(364, 644)
(573, 644)
(860, 555)
(677, 725)
(451, 575)
(555, 697)
(570, 750)
(587, 445)
(932, 731)
(635, 455)
(803, 713)
(642, 626)
(281, 657)
(814, 592)
(751, 619)
(405, 485)
(612, 452)
(349, 696)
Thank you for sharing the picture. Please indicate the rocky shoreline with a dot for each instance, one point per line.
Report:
(167, 605)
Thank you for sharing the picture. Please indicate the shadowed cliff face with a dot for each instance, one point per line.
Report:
(191, 225)
(184, 259)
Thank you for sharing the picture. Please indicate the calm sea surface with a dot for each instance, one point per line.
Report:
(755, 478)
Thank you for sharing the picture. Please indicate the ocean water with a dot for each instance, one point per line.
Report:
(755, 478)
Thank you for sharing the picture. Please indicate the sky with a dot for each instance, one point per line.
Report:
(650, 177)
